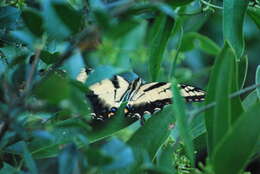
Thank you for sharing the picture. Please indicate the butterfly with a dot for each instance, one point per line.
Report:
(142, 98)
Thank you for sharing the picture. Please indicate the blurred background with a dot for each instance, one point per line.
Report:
(118, 35)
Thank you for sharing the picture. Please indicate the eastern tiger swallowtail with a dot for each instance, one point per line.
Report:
(106, 96)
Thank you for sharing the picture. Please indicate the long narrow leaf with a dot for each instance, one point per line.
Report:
(233, 153)
(182, 121)
(164, 26)
(242, 71)
(153, 134)
(257, 80)
(222, 111)
(192, 40)
(68, 159)
(254, 13)
(103, 129)
(233, 18)
(236, 103)
(218, 118)
(29, 161)
(250, 100)
(165, 159)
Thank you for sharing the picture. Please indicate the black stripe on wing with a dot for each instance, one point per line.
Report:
(100, 109)
(137, 111)
(193, 94)
(156, 85)
(115, 82)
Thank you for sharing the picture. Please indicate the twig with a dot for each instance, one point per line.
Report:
(89, 32)
(211, 5)
(32, 72)
(193, 114)
(242, 91)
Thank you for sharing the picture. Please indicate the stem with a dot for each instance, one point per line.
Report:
(32, 72)
(87, 36)
(173, 66)
(211, 5)
(193, 114)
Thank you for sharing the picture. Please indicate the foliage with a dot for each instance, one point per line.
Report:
(45, 124)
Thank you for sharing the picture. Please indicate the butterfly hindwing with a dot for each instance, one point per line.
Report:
(106, 95)
(150, 97)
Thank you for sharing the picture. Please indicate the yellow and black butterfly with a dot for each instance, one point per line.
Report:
(107, 95)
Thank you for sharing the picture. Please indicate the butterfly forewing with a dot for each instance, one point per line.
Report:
(191, 93)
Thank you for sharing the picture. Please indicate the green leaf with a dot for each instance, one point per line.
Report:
(101, 129)
(156, 170)
(236, 103)
(182, 121)
(19, 75)
(46, 151)
(153, 134)
(8, 17)
(97, 4)
(7, 137)
(97, 158)
(218, 118)
(254, 13)
(162, 30)
(8, 169)
(77, 101)
(238, 144)
(165, 158)
(25, 36)
(122, 28)
(52, 22)
(68, 159)
(165, 9)
(29, 161)
(176, 3)
(250, 100)
(257, 81)
(197, 126)
(62, 132)
(193, 40)
(73, 122)
(53, 88)
(102, 19)
(242, 71)
(69, 16)
(233, 19)
(33, 21)
(121, 154)
(45, 147)
(49, 58)
(128, 44)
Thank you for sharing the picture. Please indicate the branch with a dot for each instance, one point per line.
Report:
(84, 41)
